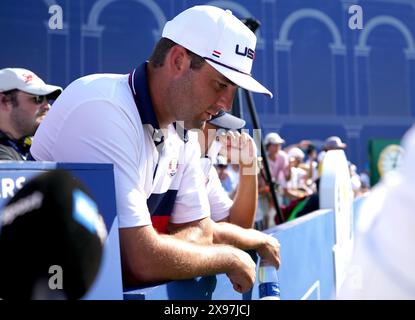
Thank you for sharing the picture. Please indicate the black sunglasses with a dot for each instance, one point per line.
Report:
(38, 99)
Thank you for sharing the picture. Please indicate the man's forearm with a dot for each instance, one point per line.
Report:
(200, 231)
(184, 260)
(267, 246)
(242, 212)
(149, 257)
(245, 239)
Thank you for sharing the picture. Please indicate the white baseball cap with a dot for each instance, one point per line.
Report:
(296, 153)
(221, 39)
(334, 142)
(27, 81)
(273, 138)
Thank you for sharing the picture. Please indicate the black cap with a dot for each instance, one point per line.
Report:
(227, 121)
(52, 222)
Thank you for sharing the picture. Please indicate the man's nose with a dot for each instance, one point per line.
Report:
(45, 106)
(226, 99)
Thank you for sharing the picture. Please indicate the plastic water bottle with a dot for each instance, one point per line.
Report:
(269, 285)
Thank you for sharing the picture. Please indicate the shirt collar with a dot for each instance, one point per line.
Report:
(141, 93)
(182, 132)
(139, 87)
(21, 146)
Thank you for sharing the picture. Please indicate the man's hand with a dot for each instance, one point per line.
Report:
(267, 246)
(242, 271)
(240, 149)
(270, 250)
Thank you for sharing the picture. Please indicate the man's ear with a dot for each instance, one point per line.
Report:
(5, 103)
(178, 60)
(3, 99)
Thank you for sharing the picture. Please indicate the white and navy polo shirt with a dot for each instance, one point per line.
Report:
(109, 118)
(219, 201)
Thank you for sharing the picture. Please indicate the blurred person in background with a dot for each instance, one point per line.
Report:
(296, 187)
(355, 180)
(221, 166)
(277, 158)
(280, 172)
(382, 265)
(311, 163)
(365, 180)
(331, 143)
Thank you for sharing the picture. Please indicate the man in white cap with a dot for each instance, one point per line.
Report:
(24, 102)
(133, 120)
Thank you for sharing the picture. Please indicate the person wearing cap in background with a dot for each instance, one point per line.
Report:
(334, 143)
(331, 143)
(222, 166)
(24, 103)
(136, 121)
(277, 158)
(296, 187)
(233, 219)
(280, 172)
